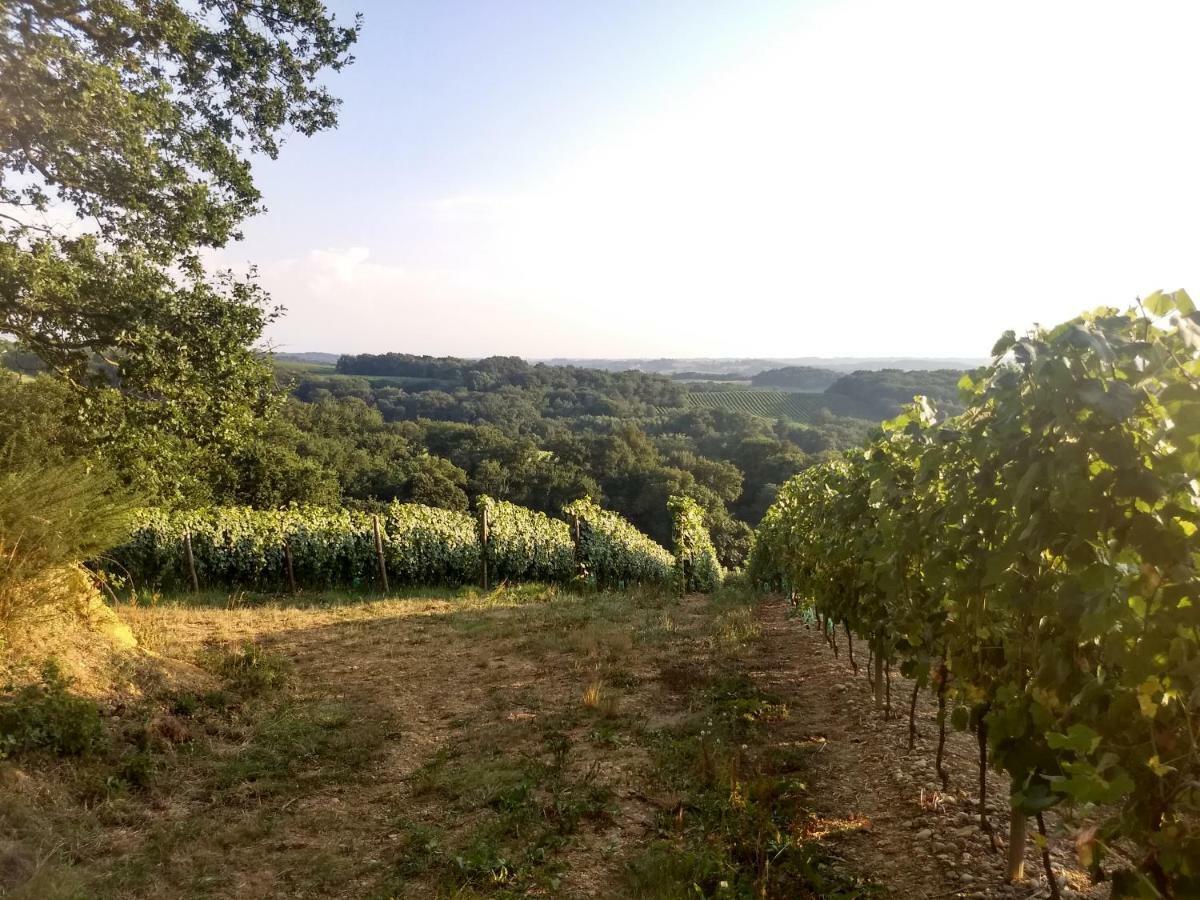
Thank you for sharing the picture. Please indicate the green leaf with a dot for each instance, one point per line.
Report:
(1079, 738)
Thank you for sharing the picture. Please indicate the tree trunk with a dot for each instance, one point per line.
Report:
(943, 676)
(1041, 824)
(912, 716)
(887, 680)
(878, 681)
(981, 735)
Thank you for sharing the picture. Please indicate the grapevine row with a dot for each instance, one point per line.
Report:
(409, 544)
(1034, 561)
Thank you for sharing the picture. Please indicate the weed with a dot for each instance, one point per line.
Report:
(249, 669)
(47, 716)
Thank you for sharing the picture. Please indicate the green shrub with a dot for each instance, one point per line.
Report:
(53, 519)
(47, 716)
(524, 545)
(615, 554)
(695, 556)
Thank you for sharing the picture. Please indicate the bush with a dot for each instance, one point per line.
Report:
(52, 519)
(46, 716)
(696, 558)
(524, 545)
(614, 553)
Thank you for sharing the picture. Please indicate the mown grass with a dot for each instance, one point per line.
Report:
(223, 753)
(738, 827)
(577, 703)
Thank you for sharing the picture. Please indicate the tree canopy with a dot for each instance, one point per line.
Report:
(127, 130)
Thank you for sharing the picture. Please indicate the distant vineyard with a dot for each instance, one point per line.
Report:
(805, 408)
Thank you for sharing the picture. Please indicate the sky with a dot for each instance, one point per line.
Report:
(645, 178)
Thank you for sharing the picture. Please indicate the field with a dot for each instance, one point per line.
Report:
(525, 742)
(793, 406)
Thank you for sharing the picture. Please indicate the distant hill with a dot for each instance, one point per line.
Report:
(322, 359)
(799, 378)
(747, 367)
(719, 368)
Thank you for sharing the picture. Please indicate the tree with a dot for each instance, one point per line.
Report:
(135, 122)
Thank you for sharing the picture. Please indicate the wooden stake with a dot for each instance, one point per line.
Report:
(287, 560)
(484, 533)
(1016, 847)
(191, 560)
(379, 553)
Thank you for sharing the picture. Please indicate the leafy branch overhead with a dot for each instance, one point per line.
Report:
(127, 131)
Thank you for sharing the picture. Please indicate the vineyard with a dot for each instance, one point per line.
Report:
(794, 406)
(1034, 563)
(409, 544)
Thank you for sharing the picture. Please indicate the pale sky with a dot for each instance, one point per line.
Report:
(642, 178)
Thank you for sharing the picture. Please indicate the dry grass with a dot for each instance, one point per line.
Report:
(519, 742)
(51, 520)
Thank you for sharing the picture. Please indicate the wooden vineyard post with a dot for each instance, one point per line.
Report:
(191, 560)
(483, 540)
(288, 569)
(1016, 847)
(379, 553)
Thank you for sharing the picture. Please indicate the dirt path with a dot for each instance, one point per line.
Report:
(507, 745)
(882, 804)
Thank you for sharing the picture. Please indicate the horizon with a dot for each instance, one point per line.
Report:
(689, 180)
(788, 360)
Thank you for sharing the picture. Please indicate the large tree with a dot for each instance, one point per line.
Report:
(127, 128)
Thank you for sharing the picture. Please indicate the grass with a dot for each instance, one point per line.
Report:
(738, 827)
(526, 741)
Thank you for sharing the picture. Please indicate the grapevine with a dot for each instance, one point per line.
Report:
(1035, 560)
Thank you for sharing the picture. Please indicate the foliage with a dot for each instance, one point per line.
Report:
(806, 378)
(524, 545)
(127, 133)
(47, 716)
(240, 547)
(695, 555)
(615, 554)
(885, 391)
(1044, 546)
(52, 519)
(424, 545)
